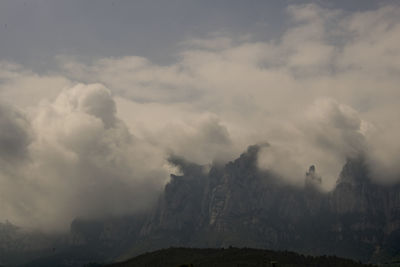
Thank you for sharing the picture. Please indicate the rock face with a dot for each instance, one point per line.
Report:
(239, 205)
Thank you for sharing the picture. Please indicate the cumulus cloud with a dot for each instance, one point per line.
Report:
(270, 91)
(325, 135)
(324, 91)
(82, 162)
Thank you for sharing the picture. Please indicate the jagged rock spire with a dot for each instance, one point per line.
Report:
(312, 178)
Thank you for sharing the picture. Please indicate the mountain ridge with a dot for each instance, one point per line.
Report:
(237, 204)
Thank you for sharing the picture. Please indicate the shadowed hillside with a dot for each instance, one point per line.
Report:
(174, 257)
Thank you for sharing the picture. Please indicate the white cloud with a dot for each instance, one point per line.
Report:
(82, 162)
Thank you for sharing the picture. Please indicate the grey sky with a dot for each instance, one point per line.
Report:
(33, 32)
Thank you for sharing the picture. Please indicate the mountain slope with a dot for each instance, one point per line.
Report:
(173, 257)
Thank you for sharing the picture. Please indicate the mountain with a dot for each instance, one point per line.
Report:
(18, 245)
(239, 205)
(93, 241)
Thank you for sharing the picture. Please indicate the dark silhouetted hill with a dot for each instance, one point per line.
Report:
(231, 257)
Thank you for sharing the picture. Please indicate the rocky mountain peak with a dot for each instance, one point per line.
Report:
(237, 204)
(354, 172)
(313, 180)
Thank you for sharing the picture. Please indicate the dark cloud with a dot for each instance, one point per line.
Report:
(15, 134)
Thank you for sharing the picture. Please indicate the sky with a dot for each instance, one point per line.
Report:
(96, 95)
(35, 31)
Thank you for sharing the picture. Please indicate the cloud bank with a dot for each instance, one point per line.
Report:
(74, 158)
(92, 139)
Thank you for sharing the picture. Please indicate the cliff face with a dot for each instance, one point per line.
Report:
(239, 205)
(366, 212)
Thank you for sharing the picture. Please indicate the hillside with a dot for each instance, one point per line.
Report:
(174, 257)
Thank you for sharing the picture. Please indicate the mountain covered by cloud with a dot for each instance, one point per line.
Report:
(91, 139)
(237, 204)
